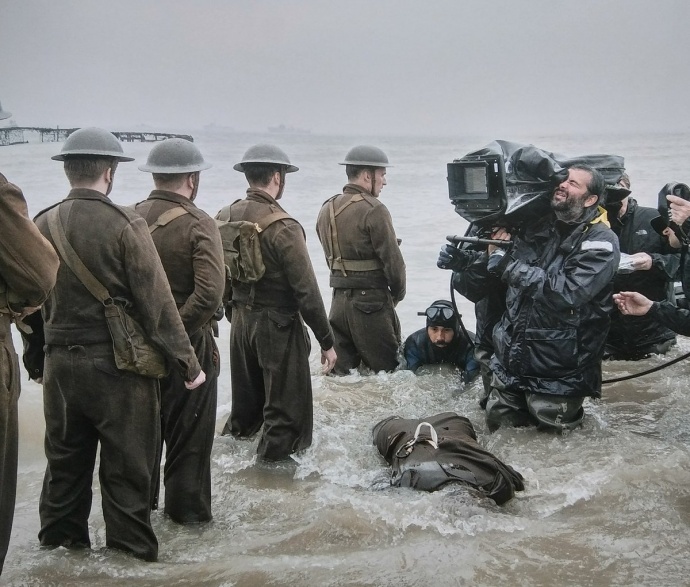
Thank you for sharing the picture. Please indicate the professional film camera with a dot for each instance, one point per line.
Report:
(509, 184)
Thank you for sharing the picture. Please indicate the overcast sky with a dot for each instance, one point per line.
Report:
(349, 66)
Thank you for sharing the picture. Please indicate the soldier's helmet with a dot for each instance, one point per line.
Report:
(175, 156)
(3, 113)
(366, 156)
(265, 153)
(92, 141)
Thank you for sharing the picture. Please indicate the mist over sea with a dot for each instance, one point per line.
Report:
(608, 504)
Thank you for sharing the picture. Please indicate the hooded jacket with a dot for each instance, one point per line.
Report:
(552, 335)
(635, 234)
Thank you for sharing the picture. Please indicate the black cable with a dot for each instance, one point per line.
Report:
(648, 371)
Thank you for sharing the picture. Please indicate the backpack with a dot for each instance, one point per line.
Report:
(241, 245)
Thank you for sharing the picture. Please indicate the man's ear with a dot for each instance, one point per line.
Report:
(591, 200)
(190, 181)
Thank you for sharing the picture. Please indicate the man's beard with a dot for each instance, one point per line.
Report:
(569, 209)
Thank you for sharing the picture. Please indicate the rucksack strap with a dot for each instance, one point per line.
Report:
(70, 257)
(167, 217)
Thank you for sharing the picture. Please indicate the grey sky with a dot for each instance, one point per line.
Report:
(349, 66)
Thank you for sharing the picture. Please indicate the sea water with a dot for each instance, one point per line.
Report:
(607, 504)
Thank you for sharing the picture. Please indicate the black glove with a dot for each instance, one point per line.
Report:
(453, 258)
(498, 261)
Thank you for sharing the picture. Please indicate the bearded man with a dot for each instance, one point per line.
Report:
(551, 338)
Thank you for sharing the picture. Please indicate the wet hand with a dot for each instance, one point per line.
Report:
(632, 303)
(328, 359)
(200, 378)
(641, 261)
(500, 235)
(679, 208)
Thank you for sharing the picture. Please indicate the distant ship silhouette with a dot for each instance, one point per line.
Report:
(288, 130)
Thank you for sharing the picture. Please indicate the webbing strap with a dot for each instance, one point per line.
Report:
(335, 259)
(69, 255)
(168, 216)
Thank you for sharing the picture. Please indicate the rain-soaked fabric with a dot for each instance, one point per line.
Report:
(459, 458)
(510, 406)
(271, 382)
(88, 400)
(366, 329)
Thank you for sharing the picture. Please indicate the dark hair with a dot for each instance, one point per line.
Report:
(260, 174)
(80, 169)
(354, 171)
(169, 181)
(596, 186)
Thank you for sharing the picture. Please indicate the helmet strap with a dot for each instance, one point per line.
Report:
(281, 185)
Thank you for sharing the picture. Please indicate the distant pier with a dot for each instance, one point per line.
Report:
(17, 135)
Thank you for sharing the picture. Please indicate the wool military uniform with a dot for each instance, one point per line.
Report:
(192, 255)
(269, 344)
(28, 267)
(87, 400)
(367, 277)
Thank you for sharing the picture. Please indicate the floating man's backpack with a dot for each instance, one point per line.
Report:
(241, 245)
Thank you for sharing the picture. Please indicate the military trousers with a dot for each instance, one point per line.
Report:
(88, 401)
(366, 329)
(188, 420)
(509, 405)
(271, 381)
(9, 395)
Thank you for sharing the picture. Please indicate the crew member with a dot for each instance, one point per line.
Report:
(632, 303)
(442, 341)
(654, 266)
(550, 340)
(189, 245)
(87, 399)
(489, 304)
(367, 267)
(28, 268)
(269, 344)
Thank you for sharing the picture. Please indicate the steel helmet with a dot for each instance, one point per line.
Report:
(265, 154)
(92, 141)
(366, 156)
(3, 113)
(175, 156)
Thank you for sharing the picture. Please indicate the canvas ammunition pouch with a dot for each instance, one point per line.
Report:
(132, 349)
(241, 245)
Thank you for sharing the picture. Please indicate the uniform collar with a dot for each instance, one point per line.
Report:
(169, 197)
(259, 195)
(353, 187)
(87, 194)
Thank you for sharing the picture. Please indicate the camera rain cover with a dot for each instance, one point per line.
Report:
(531, 174)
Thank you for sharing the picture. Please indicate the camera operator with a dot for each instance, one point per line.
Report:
(550, 339)
(654, 264)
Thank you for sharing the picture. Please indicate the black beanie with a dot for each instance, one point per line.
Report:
(440, 316)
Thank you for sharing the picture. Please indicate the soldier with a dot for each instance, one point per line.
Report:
(269, 344)
(87, 399)
(28, 267)
(189, 245)
(367, 268)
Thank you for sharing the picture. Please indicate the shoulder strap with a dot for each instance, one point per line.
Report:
(70, 257)
(266, 221)
(168, 216)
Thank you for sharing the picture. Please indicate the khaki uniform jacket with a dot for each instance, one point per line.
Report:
(192, 255)
(28, 262)
(115, 245)
(289, 282)
(364, 232)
